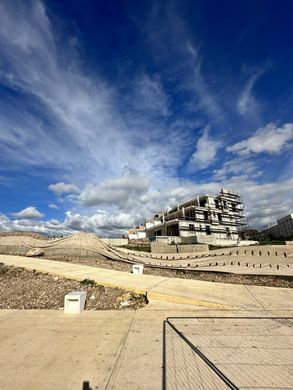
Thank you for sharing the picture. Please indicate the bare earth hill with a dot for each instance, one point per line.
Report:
(253, 260)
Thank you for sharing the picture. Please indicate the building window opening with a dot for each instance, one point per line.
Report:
(202, 203)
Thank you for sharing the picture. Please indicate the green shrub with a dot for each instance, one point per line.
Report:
(88, 282)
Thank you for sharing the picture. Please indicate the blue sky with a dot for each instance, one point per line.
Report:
(111, 111)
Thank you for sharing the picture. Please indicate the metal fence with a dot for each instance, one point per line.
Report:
(227, 353)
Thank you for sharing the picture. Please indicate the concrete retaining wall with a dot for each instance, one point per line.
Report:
(193, 248)
(115, 241)
(167, 240)
(218, 242)
(159, 247)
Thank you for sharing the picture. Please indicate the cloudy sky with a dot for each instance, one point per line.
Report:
(113, 110)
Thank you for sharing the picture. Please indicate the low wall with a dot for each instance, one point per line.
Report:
(167, 240)
(159, 247)
(115, 241)
(176, 240)
(193, 248)
(210, 240)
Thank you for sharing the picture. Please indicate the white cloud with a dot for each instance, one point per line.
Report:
(118, 191)
(207, 99)
(270, 139)
(85, 117)
(53, 206)
(206, 151)
(38, 226)
(29, 213)
(149, 96)
(246, 100)
(101, 222)
(237, 166)
(275, 198)
(63, 188)
(91, 129)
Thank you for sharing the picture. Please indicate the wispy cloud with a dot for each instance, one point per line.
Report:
(207, 99)
(86, 115)
(120, 152)
(247, 101)
(238, 166)
(206, 151)
(53, 206)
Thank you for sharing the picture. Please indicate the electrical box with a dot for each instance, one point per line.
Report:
(137, 269)
(74, 302)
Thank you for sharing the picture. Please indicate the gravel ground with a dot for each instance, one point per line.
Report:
(24, 289)
(256, 280)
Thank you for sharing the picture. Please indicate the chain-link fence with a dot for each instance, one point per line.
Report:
(228, 353)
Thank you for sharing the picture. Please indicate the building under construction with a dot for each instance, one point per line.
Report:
(203, 217)
(282, 230)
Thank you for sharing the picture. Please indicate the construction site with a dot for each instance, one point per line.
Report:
(205, 219)
(187, 320)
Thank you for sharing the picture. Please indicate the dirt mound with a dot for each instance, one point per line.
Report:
(78, 245)
(28, 234)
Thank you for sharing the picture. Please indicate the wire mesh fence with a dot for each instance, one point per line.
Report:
(228, 353)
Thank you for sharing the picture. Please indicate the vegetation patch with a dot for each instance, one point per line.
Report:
(88, 282)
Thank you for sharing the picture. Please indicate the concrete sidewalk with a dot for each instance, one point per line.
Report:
(42, 349)
(199, 294)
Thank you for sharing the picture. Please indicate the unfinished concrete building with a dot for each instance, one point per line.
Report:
(283, 229)
(203, 218)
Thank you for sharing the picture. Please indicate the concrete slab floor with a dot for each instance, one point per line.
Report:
(109, 349)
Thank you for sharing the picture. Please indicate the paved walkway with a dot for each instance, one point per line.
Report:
(199, 294)
(42, 349)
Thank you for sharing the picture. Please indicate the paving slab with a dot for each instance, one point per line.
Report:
(49, 350)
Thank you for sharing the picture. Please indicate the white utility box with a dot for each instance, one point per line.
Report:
(74, 302)
(137, 269)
